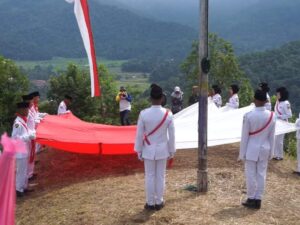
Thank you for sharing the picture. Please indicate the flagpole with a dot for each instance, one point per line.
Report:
(202, 180)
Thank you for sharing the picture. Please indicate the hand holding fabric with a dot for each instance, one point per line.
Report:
(140, 157)
(32, 136)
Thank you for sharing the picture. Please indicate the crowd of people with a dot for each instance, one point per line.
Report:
(155, 137)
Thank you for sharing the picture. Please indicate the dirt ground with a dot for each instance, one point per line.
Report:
(78, 189)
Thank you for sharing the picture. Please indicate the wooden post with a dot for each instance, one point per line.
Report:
(202, 181)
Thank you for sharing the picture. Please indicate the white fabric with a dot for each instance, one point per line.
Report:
(21, 174)
(298, 154)
(162, 142)
(224, 126)
(233, 101)
(155, 171)
(21, 131)
(85, 37)
(124, 105)
(268, 104)
(62, 108)
(260, 145)
(256, 172)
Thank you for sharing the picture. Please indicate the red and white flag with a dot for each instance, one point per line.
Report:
(81, 10)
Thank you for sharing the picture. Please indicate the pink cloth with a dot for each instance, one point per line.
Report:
(7, 179)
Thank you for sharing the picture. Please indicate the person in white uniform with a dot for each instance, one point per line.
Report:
(63, 106)
(154, 144)
(233, 101)
(297, 123)
(21, 131)
(216, 95)
(283, 112)
(256, 148)
(265, 87)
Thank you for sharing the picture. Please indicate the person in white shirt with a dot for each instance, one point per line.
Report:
(21, 131)
(297, 123)
(63, 105)
(283, 112)
(216, 95)
(154, 144)
(124, 99)
(256, 148)
(233, 101)
(176, 100)
(264, 87)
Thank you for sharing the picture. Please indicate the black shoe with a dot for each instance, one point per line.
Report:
(33, 177)
(160, 206)
(296, 173)
(20, 194)
(149, 207)
(257, 204)
(277, 158)
(28, 190)
(249, 203)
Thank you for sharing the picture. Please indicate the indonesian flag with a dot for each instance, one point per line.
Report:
(81, 10)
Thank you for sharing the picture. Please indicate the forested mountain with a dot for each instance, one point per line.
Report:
(251, 25)
(278, 67)
(33, 30)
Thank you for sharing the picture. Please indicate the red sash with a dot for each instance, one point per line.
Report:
(32, 151)
(277, 109)
(264, 127)
(156, 128)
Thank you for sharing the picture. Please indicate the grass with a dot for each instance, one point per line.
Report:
(92, 190)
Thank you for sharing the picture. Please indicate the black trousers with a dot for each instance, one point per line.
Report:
(124, 116)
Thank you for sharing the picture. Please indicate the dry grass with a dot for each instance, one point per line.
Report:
(91, 190)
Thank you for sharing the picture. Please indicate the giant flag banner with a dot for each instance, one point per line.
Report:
(81, 11)
(224, 127)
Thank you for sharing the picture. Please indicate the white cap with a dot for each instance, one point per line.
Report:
(177, 89)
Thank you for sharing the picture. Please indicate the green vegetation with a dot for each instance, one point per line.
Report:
(13, 84)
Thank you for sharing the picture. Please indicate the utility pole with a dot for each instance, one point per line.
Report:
(202, 181)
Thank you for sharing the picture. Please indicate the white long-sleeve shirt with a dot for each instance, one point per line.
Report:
(233, 101)
(217, 99)
(259, 146)
(62, 108)
(162, 142)
(283, 110)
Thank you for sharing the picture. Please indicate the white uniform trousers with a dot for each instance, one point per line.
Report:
(298, 154)
(30, 169)
(38, 148)
(278, 151)
(155, 171)
(256, 178)
(21, 174)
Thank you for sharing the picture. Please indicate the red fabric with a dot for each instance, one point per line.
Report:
(85, 9)
(67, 132)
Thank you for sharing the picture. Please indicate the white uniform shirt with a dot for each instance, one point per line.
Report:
(259, 146)
(62, 108)
(217, 99)
(162, 142)
(268, 104)
(21, 131)
(233, 101)
(283, 110)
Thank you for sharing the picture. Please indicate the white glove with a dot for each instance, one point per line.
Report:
(140, 157)
(37, 121)
(171, 155)
(32, 136)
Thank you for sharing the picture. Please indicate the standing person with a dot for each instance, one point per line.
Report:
(195, 96)
(36, 98)
(216, 95)
(155, 143)
(234, 98)
(21, 131)
(283, 112)
(264, 87)
(64, 104)
(124, 99)
(177, 100)
(31, 125)
(297, 123)
(256, 148)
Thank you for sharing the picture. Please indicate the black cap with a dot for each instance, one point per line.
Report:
(27, 97)
(264, 86)
(22, 105)
(34, 94)
(260, 95)
(156, 91)
(68, 97)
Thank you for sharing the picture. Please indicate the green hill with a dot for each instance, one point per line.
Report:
(278, 67)
(35, 30)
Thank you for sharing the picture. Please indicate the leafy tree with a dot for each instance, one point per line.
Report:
(13, 84)
(224, 70)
